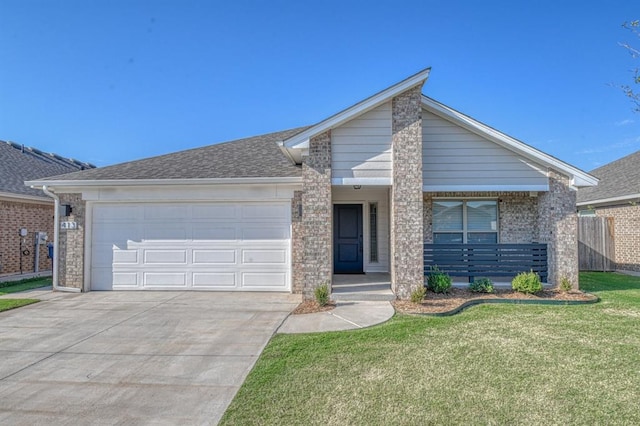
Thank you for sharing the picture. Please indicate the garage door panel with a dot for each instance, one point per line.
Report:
(223, 280)
(214, 257)
(212, 246)
(258, 280)
(125, 256)
(164, 279)
(164, 257)
(264, 256)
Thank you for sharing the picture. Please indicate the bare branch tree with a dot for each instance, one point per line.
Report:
(633, 95)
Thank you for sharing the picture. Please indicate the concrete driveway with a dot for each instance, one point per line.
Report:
(132, 357)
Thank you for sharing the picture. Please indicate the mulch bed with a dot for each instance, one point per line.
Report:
(311, 306)
(435, 303)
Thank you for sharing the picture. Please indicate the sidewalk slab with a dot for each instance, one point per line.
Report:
(345, 316)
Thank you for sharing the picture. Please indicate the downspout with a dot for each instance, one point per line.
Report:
(56, 225)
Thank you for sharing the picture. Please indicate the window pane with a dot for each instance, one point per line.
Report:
(447, 238)
(482, 238)
(447, 215)
(373, 232)
(482, 216)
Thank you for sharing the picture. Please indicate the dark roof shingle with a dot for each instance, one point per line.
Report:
(19, 164)
(617, 179)
(257, 156)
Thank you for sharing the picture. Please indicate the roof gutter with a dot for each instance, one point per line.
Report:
(56, 233)
(630, 197)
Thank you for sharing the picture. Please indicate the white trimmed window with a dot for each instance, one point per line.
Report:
(465, 221)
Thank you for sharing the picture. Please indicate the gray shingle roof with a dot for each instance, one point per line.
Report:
(19, 164)
(257, 156)
(617, 179)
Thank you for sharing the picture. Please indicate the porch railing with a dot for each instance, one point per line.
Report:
(486, 260)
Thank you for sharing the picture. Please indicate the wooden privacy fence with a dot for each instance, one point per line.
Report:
(486, 260)
(596, 249)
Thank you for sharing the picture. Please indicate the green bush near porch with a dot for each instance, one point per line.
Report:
(491, 364)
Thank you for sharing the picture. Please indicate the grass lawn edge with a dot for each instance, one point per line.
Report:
(8, 304)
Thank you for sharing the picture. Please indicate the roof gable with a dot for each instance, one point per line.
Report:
(301, 140)
(578, 177)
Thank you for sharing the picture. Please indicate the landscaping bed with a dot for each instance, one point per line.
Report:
(311, 306)
(457, 298)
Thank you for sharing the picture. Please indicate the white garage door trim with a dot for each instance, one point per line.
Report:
(230, 246)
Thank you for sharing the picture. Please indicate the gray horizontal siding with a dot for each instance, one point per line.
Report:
(452, 155)
(361, 148)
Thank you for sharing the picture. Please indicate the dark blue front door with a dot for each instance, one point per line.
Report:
(347, 239)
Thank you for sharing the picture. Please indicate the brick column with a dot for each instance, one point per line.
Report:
(407, 267)
(317, 214)
(71, 244)
(558, 228)
(297, 243)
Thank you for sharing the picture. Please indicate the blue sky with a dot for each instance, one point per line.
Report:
(113, 81)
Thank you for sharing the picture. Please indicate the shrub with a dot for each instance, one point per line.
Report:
(565, 284)
(418, 294)
(527, 282)
(481, 285)
(322, 294)
(438, 281)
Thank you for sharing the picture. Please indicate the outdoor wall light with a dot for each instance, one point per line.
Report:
(357, 186)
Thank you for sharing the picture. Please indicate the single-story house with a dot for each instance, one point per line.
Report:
(26, 214)
(359, 192)
(617, 196)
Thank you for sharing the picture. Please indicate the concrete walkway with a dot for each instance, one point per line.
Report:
(131, 357)
(346, 316)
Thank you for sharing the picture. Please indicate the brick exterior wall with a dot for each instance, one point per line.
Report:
(71, 244)
(407, 266)
(626, 234)
(558, 228)
(517, 214)
(316, 216)
(297, 244)
(34, 217)
(548, 218)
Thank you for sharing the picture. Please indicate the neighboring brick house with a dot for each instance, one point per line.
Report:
(618, 196)
(22, 207)
(359, 192)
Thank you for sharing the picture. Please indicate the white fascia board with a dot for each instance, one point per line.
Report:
(302, 138)
(578, 177)
(161, 182)
(10, 196)
(361, 181)
(479, 188)
(610, 200)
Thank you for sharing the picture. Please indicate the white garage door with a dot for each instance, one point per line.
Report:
(191, 246)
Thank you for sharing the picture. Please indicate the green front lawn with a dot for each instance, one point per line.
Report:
(491, 364)
(6, 304)
(22, 285)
